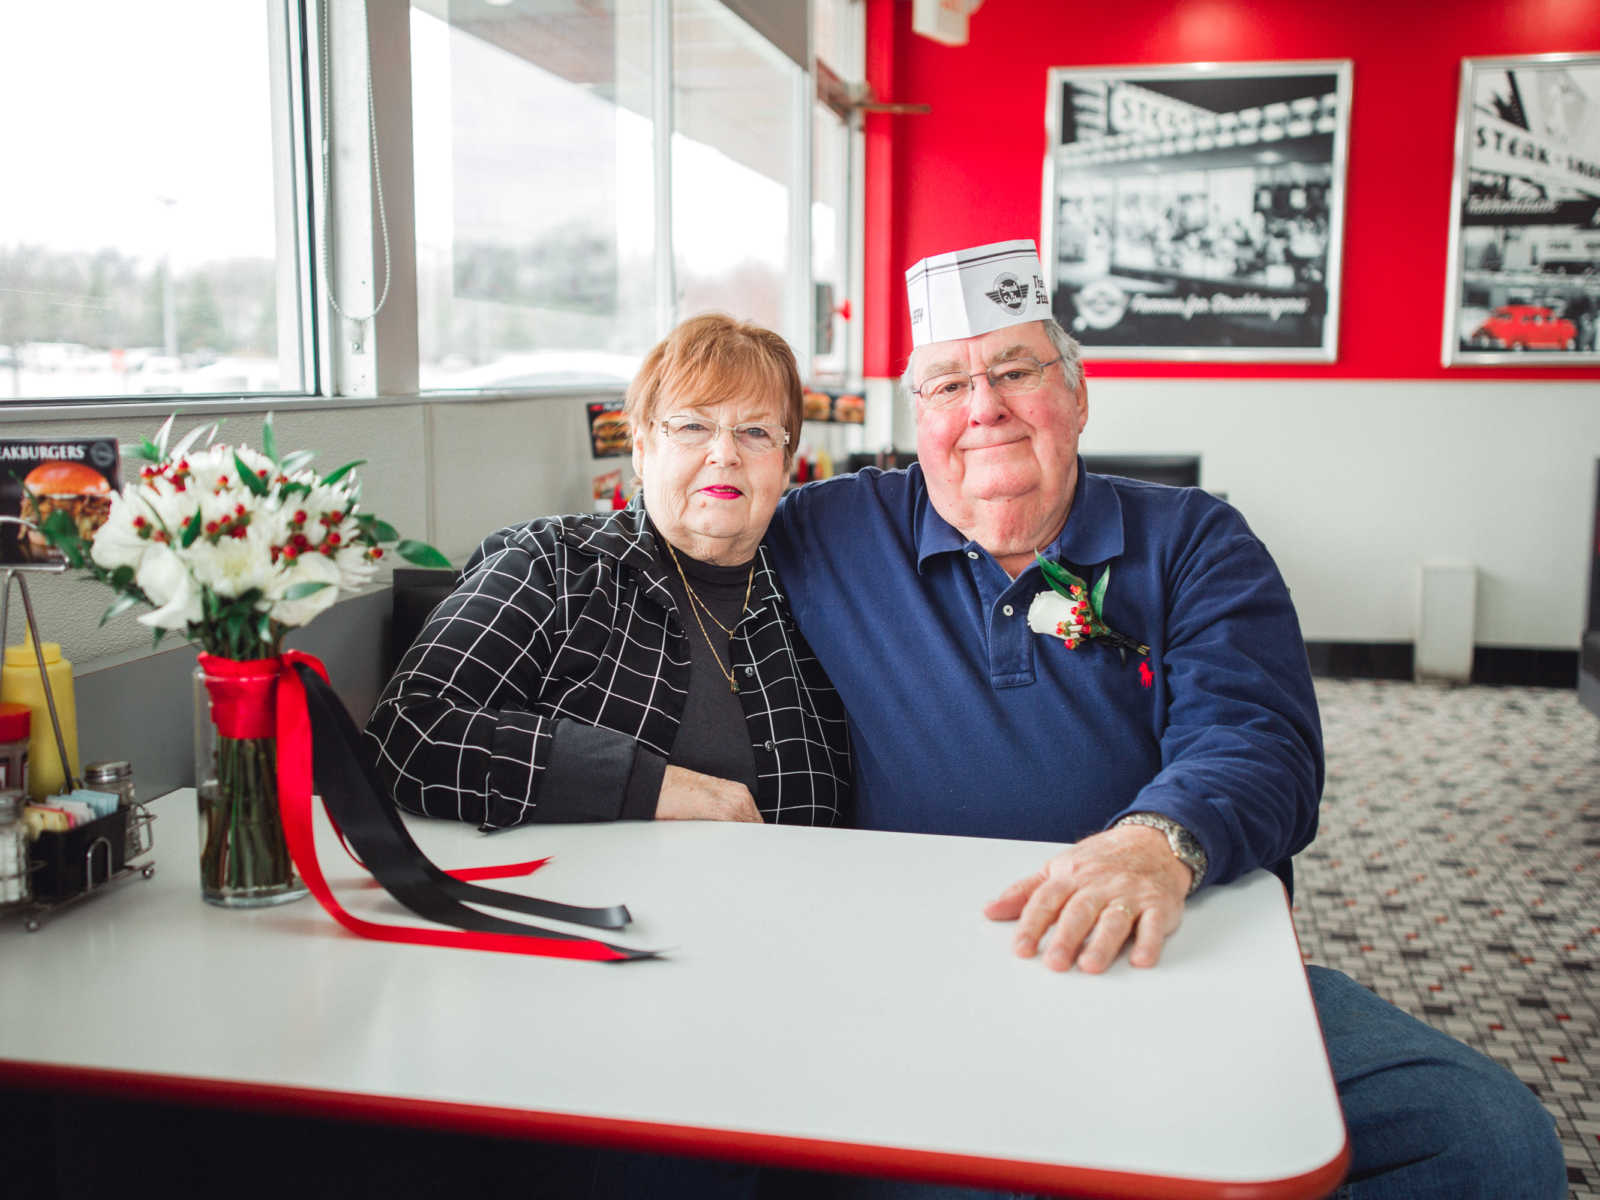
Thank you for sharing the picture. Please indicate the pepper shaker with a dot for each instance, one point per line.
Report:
(116, 775)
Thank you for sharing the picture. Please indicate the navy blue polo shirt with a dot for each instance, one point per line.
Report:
(966, 722)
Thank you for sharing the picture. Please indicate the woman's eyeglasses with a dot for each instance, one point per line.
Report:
(1014, 377)
(753, 437)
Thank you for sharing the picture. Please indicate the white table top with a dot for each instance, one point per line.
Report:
(831, 998)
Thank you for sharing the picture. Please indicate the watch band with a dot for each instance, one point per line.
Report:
(1186, 847)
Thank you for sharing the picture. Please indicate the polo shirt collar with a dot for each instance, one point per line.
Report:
(1092, 534)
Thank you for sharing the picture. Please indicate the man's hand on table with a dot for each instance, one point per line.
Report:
(690, 796)
(1091, 898)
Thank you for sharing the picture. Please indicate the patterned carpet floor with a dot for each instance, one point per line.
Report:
(1456, 872)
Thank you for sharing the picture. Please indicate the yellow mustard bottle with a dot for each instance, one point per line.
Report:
(20, 684)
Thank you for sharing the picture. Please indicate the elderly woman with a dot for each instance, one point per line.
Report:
(640, 664)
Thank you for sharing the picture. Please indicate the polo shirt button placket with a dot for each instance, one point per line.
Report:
(768, 746)
(749, 672)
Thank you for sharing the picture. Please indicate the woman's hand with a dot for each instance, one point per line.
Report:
(690, 796)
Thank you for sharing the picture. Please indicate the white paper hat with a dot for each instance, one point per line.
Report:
(968, 292)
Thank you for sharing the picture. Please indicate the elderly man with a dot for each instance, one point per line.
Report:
(1155, 710)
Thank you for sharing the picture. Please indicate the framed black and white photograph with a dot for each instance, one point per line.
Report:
(1524, 273)
(1197, 211)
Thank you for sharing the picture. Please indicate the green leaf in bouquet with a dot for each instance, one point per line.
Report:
(421, 554)
(62, 532)
(333, 477)
(121, 579)
(296, 460)
(299, 591)
(289, 490)
(190, 438)
(264, 627)
(269, 442)
(156, 641)
(256, 484)
(119, 606)
(149, 451)
(163, 435)
(380, 531)
(191, 529)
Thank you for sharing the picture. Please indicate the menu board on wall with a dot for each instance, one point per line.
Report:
(1524, 272)
(1198, 213)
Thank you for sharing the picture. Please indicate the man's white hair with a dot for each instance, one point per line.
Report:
(1066, 346)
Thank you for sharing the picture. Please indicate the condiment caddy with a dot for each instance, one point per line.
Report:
(59, 868)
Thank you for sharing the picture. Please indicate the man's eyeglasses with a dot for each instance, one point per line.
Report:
(1014, 377)
(753, 437)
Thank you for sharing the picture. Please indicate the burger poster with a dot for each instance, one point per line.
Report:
(608, 430)
(38, 477)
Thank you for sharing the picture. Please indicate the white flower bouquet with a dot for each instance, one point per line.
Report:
(232, 546)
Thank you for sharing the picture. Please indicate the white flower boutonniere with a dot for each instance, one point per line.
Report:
(1070, 610)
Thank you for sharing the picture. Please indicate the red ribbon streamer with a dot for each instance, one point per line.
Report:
(270, 688)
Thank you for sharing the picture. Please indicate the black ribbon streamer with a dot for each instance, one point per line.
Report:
(367, 819)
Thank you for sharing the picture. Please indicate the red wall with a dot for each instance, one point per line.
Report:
(971, 171)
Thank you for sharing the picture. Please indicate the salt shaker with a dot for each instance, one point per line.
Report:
(14, 887)
(116, 775)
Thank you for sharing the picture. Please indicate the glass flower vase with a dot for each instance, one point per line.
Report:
(244, 859)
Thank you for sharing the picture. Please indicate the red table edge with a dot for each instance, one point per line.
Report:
(773, 1149)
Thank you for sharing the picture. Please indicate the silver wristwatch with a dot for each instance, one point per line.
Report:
(1184, 845)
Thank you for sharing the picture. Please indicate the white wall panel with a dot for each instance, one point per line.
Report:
(1353, 484)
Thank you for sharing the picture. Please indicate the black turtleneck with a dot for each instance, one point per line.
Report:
(713, 738)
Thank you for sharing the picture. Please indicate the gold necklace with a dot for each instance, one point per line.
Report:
(696, 604)
(694, 598)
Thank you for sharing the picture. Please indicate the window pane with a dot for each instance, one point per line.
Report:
(148, 231)
(733, 155)
(830, 246)
(535, 222)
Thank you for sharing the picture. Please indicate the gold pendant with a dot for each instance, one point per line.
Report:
(733, 687)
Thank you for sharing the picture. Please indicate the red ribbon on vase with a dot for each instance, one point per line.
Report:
(289, 698)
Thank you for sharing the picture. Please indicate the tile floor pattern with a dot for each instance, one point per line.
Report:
(1456, 872)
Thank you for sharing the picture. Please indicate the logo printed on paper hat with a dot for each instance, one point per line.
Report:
(967, 292)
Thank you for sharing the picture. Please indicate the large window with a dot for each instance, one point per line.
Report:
(534, 192)
(152, 219)
(734, 167)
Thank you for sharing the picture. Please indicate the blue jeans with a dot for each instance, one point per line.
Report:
(1428, 1117)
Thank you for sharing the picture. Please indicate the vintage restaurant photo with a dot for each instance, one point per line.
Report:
(1198, 213)
(1525, 230)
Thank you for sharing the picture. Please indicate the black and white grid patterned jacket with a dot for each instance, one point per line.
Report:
(525, 694)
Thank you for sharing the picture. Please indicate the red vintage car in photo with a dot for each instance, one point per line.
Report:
(1525, 327)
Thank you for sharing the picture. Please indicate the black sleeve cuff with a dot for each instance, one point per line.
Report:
(587, 776)
(644, 785)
